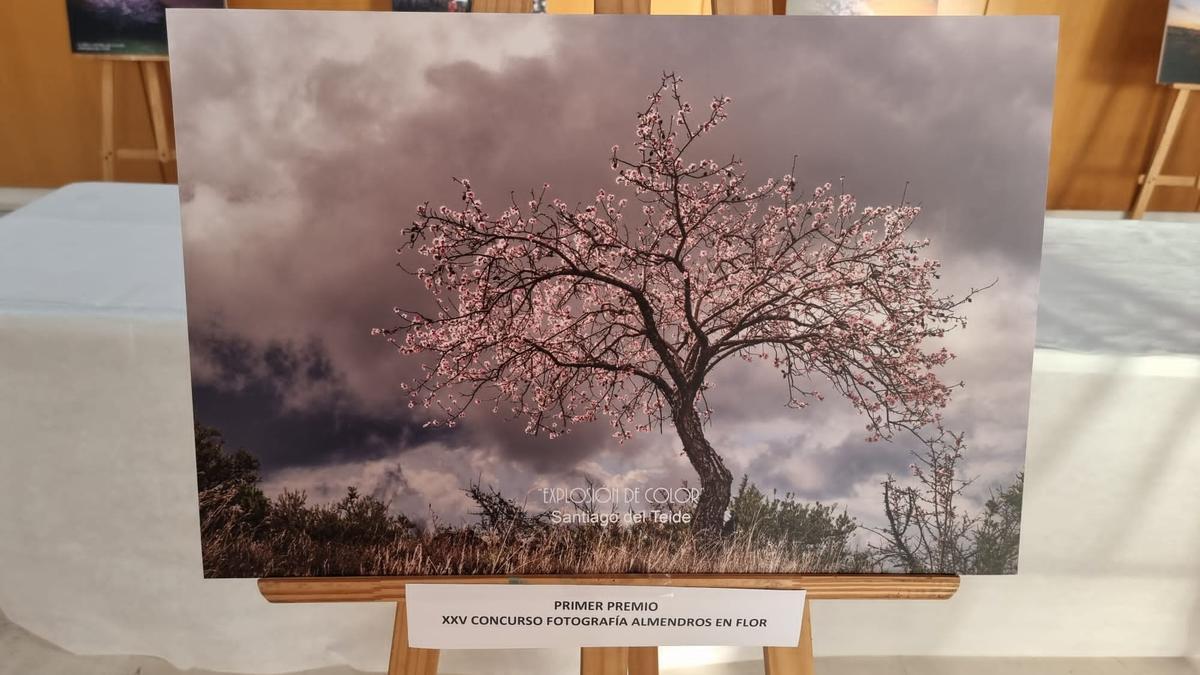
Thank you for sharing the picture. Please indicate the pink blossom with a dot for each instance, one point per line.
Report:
(573, 313)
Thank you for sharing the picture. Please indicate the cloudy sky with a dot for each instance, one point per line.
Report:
(306, 140)
(1184, 13)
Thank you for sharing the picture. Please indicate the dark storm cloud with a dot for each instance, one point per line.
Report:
(246, 397)
(305, 145)
(252, 419)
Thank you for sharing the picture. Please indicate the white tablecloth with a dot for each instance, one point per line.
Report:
(99, 536)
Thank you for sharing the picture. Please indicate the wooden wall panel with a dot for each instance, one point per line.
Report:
(502, 6)
(622, 6)
(742, 7)
(50, 98)
(50, 103)
(570, 7)
(1108, 111)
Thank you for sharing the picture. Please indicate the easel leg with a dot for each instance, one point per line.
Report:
(1160, 154)
(158, 117)
(796, 660)
(604, 661)
(107, 124)
(643, 661)
(406, 660)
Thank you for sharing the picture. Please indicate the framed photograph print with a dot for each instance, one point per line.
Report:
(593, 295)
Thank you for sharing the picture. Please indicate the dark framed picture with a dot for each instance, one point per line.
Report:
(431, 5)
(1180, 60)
(126, 27)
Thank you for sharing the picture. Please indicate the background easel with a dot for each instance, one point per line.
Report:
(153, 71)
(1154, 177)
(796, 660)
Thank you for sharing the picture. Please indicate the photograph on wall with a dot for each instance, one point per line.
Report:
(127, 27)
(431, 5)
(1180, 61)
(597, 295)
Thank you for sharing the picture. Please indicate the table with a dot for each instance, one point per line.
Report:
(99, 539)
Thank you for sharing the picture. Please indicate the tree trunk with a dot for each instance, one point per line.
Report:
(715, 480)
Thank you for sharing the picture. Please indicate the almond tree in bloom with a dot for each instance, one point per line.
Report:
(621, 308)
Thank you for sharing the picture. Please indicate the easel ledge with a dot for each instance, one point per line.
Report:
(796, 660)
(819, 586)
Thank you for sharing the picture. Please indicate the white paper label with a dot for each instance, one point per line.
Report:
(487, 616)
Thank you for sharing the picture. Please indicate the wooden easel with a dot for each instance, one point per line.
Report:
(1154, 177)
(796, 660)
(153, 72)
